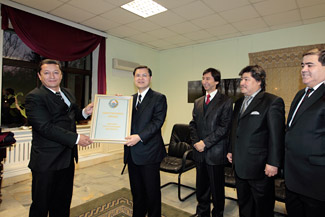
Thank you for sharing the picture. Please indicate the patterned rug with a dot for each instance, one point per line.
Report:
(118, 204)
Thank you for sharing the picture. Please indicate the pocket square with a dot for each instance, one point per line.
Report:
(255, 113)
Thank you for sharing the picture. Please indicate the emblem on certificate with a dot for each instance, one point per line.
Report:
(113, 103)
(111, 119)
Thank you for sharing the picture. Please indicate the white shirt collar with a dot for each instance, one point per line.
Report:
(315, 87)
(143, 94)
(53, 90)
(212, 94)
(254, 94)
(65, 98)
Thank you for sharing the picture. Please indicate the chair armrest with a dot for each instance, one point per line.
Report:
(185, 155)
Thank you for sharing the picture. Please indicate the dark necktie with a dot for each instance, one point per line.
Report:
(58, 94)
(208, 100)
(309, 90)
(139, 102)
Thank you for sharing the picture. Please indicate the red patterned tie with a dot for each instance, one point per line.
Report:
(208, 99)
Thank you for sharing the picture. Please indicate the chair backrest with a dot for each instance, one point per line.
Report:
(180, 140)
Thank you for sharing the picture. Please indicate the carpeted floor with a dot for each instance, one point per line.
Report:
(117, 204)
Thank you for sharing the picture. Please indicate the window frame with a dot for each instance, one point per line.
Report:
(65, 69)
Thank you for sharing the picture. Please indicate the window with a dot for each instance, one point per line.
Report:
(19, 76)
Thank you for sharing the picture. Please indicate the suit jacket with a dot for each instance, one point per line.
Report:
(213, 128)
(147, 122)
(257, 136)
(305, 146)
(53, 129)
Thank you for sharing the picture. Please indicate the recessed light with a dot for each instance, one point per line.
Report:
(144, 8)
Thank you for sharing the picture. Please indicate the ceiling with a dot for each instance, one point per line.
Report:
(187, 22)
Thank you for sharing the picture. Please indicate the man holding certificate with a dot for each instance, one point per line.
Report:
(144, 149)
(52, 112)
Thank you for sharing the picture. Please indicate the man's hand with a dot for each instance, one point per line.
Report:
(270, 170)
(132, 140)
(199, 146)
(89, 108)
(229, 156)
(84, 140)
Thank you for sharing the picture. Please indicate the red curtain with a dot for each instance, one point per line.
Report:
(56, 40)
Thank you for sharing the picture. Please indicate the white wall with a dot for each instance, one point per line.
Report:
(173, 68)
(119, 81)
(178, 66)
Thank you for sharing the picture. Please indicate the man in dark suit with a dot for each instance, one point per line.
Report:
(209, 129)
(144, 149)
(257, 144)
(305, 142)
(54, 144)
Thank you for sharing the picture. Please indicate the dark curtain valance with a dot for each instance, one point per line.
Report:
(56, 40)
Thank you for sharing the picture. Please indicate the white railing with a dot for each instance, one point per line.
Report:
(16, 162)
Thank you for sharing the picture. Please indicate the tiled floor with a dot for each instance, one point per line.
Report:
(100, 179)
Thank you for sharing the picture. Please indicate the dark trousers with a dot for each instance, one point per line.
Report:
(298, 205)
(210, 181)
(256, 197)
(52, 193)
(145, 189)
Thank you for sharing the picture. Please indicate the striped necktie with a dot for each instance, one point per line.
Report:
(139, 102)
(58, 94)
(245, 104)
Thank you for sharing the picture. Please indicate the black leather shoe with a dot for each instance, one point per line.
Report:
(220, 214)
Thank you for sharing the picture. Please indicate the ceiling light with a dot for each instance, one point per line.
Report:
(144, 8)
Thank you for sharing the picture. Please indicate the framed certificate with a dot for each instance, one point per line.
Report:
(111, 118)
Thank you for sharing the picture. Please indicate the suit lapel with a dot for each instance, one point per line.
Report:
(308, 102)
(295, 103)
(57, 100)
(237, 108)
(134, 111)
(214, 102)
(68, 95)
(255, 101)
(135, 98)
(200, 105)
(51, 95)
(143, 104)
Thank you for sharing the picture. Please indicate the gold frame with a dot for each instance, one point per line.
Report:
(123, 110)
